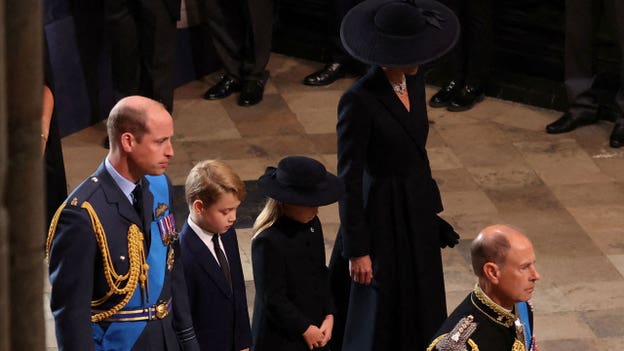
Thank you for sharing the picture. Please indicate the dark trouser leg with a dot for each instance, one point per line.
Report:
(579, 74)
(226, 21)
(456, 58)
(259, 48)
(157, 32)
(142, 35)
(124, 37)
(616, 8)
(338, 52)
(478, 41)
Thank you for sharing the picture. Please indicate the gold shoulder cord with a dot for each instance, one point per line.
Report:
(136, 256)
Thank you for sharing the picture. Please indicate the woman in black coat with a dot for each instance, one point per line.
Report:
(390, 232)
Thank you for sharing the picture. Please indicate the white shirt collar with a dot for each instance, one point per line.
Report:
(206, 238)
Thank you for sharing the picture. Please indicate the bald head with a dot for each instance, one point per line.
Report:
(140, 132)
(130, 114)
(492, 245)
(504, 260)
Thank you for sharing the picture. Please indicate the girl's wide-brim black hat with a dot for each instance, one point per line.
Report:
(399, 33)
(302, 181)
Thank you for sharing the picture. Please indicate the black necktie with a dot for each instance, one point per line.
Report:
(137, 200)
(222, 260)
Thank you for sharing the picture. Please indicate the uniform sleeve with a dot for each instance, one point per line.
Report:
(270, 274)
(71, 261)
(353, 131)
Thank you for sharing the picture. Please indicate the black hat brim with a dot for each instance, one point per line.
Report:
(365, 42)
(328, 191)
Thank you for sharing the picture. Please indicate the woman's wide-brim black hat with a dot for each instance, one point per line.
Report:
(399, 33)
(302, 181)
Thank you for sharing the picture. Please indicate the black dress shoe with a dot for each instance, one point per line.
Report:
(466, 98)
(329, 74)
(251, 93)
(617, 135)
(226, 86)
(444, 96)
(569, 122)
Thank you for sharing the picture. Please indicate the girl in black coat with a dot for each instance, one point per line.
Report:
(293, 306)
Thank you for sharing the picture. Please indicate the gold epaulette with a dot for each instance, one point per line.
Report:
(473, 345)
(118, 284)
(518, 346)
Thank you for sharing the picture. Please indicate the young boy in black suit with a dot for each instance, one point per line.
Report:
(211, 259)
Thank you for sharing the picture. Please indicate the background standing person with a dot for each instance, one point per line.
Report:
(212, 265)
(470, 60)
(241, 33)
(496, 315)
(390, 235)
(117, 283)
(55, 180)
(340, 62)
(293, 306)
(580, 74)
(52, 149)
(142, 35)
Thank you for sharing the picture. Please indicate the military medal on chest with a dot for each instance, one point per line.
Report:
(170, 259)
(167, 229)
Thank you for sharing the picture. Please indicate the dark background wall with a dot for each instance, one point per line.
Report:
(527, 63)
(528, 48)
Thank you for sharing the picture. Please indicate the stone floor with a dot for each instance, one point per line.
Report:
(493, 163)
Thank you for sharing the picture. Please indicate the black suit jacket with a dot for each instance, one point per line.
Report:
(77, 276)
(220, 314)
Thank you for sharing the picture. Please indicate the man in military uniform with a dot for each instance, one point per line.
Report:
(496, 316)
(116, 281)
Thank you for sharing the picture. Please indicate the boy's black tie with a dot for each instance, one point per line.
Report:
(222, 260)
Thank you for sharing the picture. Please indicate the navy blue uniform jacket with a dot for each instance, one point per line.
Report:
(220, 314)
(77, 276)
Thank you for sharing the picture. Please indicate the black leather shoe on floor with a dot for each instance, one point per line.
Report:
(251, 93)
(568, 123)
(466, 98)
(444, 96)
(617, 135)
(329, 74)
(226, 86)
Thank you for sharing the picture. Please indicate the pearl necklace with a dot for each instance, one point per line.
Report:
(400, 88)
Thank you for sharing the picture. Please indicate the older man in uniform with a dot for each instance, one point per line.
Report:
(496, 315)
(116, 281)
